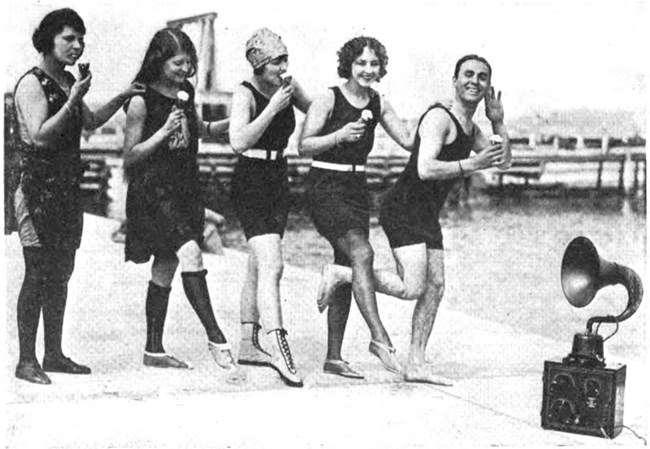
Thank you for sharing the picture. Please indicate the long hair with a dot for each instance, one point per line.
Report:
(165, 44)
(52, 24)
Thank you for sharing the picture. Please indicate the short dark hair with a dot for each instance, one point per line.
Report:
(165, 44)
(353, 48)
(52, 24)
(471, 58)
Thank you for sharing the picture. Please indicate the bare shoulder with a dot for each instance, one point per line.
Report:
(436, 118)
(137, 107)
(29, 87)
(325, 98)
(242, 92)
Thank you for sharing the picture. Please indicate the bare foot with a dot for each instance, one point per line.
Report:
(422, 373)
(326, 288)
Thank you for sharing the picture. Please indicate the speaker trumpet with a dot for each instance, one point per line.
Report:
(583, 274)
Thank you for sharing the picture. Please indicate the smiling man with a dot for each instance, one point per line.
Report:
(445, 140)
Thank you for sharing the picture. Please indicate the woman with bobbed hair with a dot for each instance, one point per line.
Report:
(51, 114)
(339, 134)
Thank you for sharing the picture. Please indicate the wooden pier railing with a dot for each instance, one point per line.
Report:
(216, 168)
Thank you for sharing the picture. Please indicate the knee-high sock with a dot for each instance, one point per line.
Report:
(196, 290)
(60, 267)
(28, 308)
(156, 311)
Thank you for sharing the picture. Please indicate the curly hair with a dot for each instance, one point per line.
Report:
(165, 44)
(471, 58)
(53, 24)
(353, 48)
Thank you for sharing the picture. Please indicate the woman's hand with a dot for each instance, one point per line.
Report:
(79, 89)
(173, 122)
(351, 132)
(281, 99)
(134, 89)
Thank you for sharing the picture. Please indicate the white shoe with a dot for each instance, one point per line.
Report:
(283, 361)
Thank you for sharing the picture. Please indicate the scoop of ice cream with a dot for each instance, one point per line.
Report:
(84, 68)
(183, 96)
(366, 115)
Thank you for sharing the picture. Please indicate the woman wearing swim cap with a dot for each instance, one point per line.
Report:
(262, 120)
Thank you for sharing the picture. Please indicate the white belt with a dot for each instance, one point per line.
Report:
(267, 155)
(338, 167)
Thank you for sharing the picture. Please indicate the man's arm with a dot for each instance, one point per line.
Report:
(436, 130)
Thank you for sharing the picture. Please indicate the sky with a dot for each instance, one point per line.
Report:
(546, 54)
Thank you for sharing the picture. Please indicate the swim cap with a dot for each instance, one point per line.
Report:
(263, 46)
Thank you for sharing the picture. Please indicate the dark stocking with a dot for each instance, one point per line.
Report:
(196, 290)
(156, 311)
(28, 308)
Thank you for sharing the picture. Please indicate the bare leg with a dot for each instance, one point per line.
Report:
(337, 319)
(408, 283)
(357, 248)
(424, 317)
(249, 313)
(267, 252)
(267, 256)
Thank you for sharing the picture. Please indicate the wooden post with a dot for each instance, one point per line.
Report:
(604, 145)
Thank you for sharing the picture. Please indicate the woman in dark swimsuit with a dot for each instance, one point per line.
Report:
(164, 210)
(262, 120)
(51, 114)
(338, 134)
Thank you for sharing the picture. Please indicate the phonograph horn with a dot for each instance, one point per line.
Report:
(584, 273)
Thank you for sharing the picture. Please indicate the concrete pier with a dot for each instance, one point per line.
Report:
(497, 369)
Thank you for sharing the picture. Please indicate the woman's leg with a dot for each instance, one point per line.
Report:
(59, 271)
(337, 319)
(266, 251)
(356, 247)
(196, 289)
(28, 312)
(248, 310)
(250, 350)
(156, 304)
(408, 283)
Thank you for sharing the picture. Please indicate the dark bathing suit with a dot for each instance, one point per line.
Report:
(410, 210)
(50, 177)
(164, 209)
(338, 201)
(260, 188)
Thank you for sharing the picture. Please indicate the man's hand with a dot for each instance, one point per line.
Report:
(493, 106)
